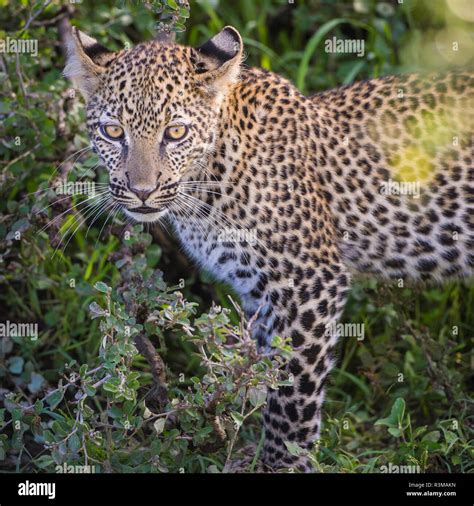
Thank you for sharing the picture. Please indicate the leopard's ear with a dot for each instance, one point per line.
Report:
(218, 60)
(86, 61)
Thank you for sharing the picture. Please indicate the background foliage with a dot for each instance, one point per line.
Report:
(81, 393)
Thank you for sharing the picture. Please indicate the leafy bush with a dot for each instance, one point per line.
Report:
(98, 414)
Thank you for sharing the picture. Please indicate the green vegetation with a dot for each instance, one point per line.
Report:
(81, 393)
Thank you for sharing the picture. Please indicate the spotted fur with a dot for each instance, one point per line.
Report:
(306, 174)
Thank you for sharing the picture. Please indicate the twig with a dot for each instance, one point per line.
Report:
(146, 348)
(4, 69)
(64, 28)
(32, 16)
(95, 385)
(20, 77)
(234, 436)
(18, 158)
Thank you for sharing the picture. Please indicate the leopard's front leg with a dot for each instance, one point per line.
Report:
(307, 310)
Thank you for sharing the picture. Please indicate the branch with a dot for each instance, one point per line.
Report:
(64, 27)
(146, 348)
(33, 15)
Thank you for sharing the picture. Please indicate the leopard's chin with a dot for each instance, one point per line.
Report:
(148, 217)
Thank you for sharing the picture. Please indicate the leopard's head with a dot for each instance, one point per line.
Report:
(153, 112)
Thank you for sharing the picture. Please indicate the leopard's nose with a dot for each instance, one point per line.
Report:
(142, 194)
(141, 187)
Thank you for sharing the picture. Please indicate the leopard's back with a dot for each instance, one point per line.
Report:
(396, 159)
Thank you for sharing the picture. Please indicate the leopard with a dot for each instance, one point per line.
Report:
(282, 196)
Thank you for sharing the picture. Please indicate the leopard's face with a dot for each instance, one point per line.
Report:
(152, 131)
(153, 115)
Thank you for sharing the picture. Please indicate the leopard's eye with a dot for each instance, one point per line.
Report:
(176, 132)
(112, 132)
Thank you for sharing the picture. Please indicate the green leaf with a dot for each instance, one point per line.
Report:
(54, 399)
(419, 431)
(396, 414)
(257, 396)
(102, 287)
(159, 425)
(153, 255)
(179, 27)
(238, 418)
(432, 436)
(44, 461)
(398, 409)
(202, 433)
(111, 386)
(456, 460)
(74, 443)
(295, 449)
(17, 414)
(451, 437)
(89, 390)
(15, 365)
(36, 382)
(19, 226)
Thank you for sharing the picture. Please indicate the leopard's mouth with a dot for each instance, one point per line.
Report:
(145, 214)
(144, 209)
